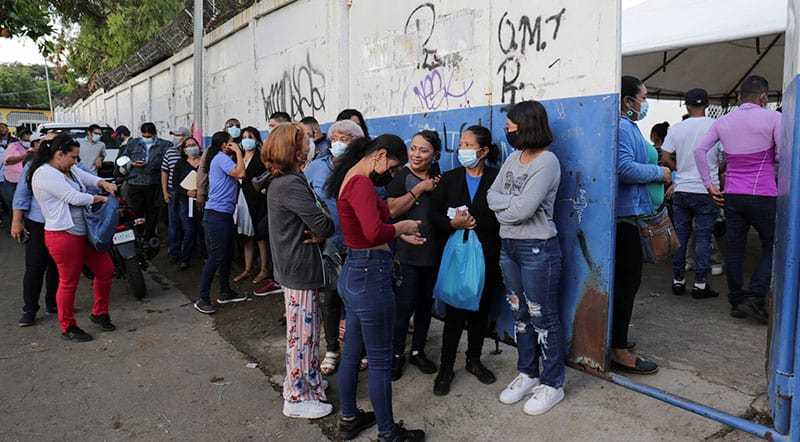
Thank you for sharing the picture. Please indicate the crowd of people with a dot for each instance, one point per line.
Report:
(302, 199)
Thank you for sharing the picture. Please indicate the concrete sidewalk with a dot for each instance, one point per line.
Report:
(170, 373)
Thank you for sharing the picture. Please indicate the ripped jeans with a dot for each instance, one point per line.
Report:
(531, 273)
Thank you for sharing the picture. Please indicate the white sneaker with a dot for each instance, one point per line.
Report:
(518, 389)
(307, 409)
(716, 269)
(544, 398)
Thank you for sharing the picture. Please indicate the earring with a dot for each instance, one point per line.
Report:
(629, 113)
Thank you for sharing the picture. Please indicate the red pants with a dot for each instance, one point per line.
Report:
(70, 253)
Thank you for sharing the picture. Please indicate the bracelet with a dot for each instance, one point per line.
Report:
(416, 200)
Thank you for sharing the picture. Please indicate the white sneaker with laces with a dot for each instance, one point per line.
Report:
(306, 409)
(544, 398)
(518, 389)
(716, 269)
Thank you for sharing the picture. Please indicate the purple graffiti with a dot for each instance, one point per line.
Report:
(435, 89)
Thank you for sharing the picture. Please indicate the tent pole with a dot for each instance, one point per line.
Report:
(752, 68)
(663, 66)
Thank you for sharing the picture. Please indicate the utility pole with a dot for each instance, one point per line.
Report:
(197, 107)
(49, 95)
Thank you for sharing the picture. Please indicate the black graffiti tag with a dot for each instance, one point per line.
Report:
(514, 40)
(430, 59)
(300, 91)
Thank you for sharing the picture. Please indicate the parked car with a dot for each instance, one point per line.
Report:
(79, 130)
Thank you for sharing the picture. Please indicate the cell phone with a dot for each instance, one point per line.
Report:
(26, 236)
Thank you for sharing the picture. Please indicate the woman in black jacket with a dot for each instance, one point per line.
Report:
(459, 202)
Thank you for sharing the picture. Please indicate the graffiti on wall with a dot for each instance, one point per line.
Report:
(439, 71)
(300, 91)
(515, 39)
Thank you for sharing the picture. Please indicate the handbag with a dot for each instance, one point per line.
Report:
(462, 272)
(101, 223)
(332, 262)
(658, 236)
(261, 182)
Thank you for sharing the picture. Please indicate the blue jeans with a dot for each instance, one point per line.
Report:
(174, 227)
(414, 296)
(192, 231)
(700, 208)
(531, 272)
(365, 285)
(742, 212)
(220, 231)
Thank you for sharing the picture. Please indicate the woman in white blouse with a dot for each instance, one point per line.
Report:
(60, 188)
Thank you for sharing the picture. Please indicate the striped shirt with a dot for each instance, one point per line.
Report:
(171, 157)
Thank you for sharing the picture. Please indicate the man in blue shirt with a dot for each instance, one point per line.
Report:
(144, 191)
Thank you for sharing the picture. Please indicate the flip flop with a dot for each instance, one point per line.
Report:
(328, 365)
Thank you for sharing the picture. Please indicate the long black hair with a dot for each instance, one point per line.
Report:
(217, 141)
(360, 148)
(47, 150)
(347, 114)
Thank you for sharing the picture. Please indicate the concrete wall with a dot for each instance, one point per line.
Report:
(409, 65)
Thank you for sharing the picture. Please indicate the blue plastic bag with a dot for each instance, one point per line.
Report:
(462, 272)
(101, 224)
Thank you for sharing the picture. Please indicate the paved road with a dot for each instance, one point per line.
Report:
(167, 373)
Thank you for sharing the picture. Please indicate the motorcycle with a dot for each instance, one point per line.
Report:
(130, 252)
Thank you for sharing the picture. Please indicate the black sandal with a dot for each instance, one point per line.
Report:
(642, 367)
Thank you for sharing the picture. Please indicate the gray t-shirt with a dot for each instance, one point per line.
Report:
(76, 212)
(523, 196)
(90, 152)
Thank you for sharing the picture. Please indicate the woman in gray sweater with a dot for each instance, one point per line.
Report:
(522, 198)
(298, 224)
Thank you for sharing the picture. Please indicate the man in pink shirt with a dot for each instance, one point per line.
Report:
(12, 163)
(751, 136)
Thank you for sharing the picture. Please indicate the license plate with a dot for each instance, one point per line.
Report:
(124, 236)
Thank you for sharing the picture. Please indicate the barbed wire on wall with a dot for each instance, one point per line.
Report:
(176, 36)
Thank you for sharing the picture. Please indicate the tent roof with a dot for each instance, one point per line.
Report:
(677, 45)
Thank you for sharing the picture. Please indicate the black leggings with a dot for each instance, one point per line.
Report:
(627, 279)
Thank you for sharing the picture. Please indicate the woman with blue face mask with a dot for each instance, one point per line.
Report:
(251, 213)
(633, 199)
(459, 203)
(191, 226)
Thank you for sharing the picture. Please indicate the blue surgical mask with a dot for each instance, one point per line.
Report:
(234, 131)
(338, 148)
(643, 108)
(248, 143)
(26, 144)
(148, 141)
(193, 151)
(95, 138)
(468, 158)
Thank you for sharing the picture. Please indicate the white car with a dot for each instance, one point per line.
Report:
(79, 130)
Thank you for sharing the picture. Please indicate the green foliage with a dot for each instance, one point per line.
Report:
(26, 86)
(26, 18)
(110, 32)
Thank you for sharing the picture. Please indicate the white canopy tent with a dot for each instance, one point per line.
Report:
(677, 45)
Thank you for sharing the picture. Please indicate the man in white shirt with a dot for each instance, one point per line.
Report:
(93, 151)
(691, 202)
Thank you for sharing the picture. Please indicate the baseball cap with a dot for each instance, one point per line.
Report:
(696, 96)
(181, 132)
(121, 130)
(36, 136)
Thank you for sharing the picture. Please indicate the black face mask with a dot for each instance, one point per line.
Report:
(380, 179)
(511, 137)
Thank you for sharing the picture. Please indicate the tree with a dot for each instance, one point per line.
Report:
(26, 86)
(26, 18)
(110, 32)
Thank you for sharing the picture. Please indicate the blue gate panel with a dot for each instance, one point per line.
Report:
(785, 269)
(585, 131)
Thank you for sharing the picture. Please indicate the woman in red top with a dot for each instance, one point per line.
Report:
(365, 283)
